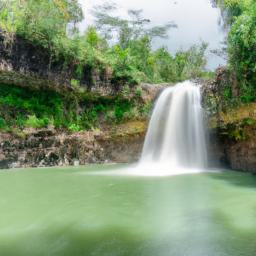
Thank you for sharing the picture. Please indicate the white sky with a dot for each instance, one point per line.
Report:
(196, 20)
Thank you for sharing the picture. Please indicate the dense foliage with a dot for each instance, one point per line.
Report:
(53, 25)
(242, 45)
(119, 47)
(21, 108)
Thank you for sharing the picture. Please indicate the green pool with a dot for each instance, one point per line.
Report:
(71, 211)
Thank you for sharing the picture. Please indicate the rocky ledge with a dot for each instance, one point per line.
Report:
(48, 147)
(233, 138)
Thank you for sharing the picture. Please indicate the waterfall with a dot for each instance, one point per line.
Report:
(175, 142)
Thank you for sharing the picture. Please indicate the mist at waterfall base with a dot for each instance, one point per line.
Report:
(175, 142)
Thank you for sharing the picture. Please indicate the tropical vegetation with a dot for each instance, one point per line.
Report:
(241, 18)
(123, 46)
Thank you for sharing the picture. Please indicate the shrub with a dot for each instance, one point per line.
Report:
(74, 128)
(2, 123)
(138, 92)
(35, 122)
(74, 83)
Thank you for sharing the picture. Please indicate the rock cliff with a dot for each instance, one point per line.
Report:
(232, 125)
(47, 147)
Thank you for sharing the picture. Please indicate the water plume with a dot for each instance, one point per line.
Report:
(175, 142)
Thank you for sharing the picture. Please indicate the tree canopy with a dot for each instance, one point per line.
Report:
(134, 27)
(52, 24)
(241, 42)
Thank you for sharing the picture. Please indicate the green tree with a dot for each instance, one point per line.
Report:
(242, 52)
(126, 30)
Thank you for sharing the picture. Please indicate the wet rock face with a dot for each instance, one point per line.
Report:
(31, 66)
(226, 152)
(51, 148)
(25, 64)
(149, 92)
(233, 146)
(242, 156)
(20, 55)
(232, 125)
(232, 134)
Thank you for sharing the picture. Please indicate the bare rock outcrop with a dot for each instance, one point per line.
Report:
(39, 148)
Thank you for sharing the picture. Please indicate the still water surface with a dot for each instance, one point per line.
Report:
(66, 211)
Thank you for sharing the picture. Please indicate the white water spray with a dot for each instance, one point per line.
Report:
(175, 142)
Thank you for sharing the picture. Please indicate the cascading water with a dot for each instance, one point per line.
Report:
(175, 142)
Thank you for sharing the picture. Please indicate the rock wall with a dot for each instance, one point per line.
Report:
(232, 125)
(25, 64)
(236, 155)
(49, 147)
(233, 138)
(34, 148)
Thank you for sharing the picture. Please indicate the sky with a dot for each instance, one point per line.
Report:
(197, 21)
